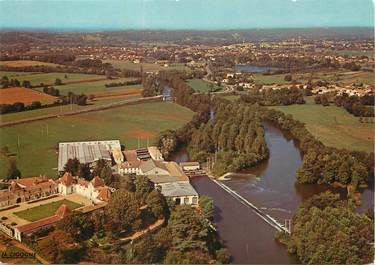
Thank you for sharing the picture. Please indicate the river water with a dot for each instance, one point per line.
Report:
(274, 190)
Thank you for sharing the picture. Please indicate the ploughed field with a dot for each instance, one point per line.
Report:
(24, 95)
(37, 152)
(332, 125)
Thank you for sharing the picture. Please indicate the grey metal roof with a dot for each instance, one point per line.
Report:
(177, 189)
(158, 179)
(86, 152)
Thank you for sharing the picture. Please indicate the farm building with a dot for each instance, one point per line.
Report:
(89, 152)
(182, 192)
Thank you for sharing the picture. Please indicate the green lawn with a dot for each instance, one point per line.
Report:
(45, 210)
(202, 86)
(333, 126)
(49, 78)
(92, 87)
(37, 153)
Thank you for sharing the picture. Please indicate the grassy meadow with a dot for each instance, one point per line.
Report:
(270, 79)
(333, 126)
(200, 85)
(60, 109)
(49, 78)
(92, 87)
(37, 152)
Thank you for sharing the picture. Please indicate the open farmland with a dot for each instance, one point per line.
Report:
(37, 153)
(93, 87)
(25, 63)
(49, 78)
(62, 109)
(147, 67)
(14, 74)
(333, 126)
(200, 85)
(24, 95)
(340, 77)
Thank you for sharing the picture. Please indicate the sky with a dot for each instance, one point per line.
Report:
(184, 14)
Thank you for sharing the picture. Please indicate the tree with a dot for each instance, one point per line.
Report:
(106, 175)
(122, 211)
(100, 164)
(327, 231)
(288, 77)
(58, 82)
(156, 203)
(36, 105)
(206, 204)
(13, 172)
(84, 171)
(80, 226)
(143, 186)
(72, 166)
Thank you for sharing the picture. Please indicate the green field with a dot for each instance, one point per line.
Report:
(269, 79)
(231, 97)
(92, 87)
(37, 152)
(340, 77)
(45, 210)
(59, 109)
(12, 74)
(147, 67)
(202, 86)
(49, 78)
(333, 126)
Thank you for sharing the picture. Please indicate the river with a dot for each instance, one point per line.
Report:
(274, 190)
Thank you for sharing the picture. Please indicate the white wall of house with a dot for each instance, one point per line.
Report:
(130, 170)
(186, 200)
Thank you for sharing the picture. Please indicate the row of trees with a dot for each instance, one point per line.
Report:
(327, 231)
(358, 106)
(5, 82)
(125, 83)
(50, 90)
(19, 106)
(273, 97)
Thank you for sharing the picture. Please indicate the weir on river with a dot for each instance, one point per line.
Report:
(266, 217)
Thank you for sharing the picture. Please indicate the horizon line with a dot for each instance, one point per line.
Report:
(99, 29)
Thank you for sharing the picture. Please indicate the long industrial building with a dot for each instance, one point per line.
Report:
(89, 152)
